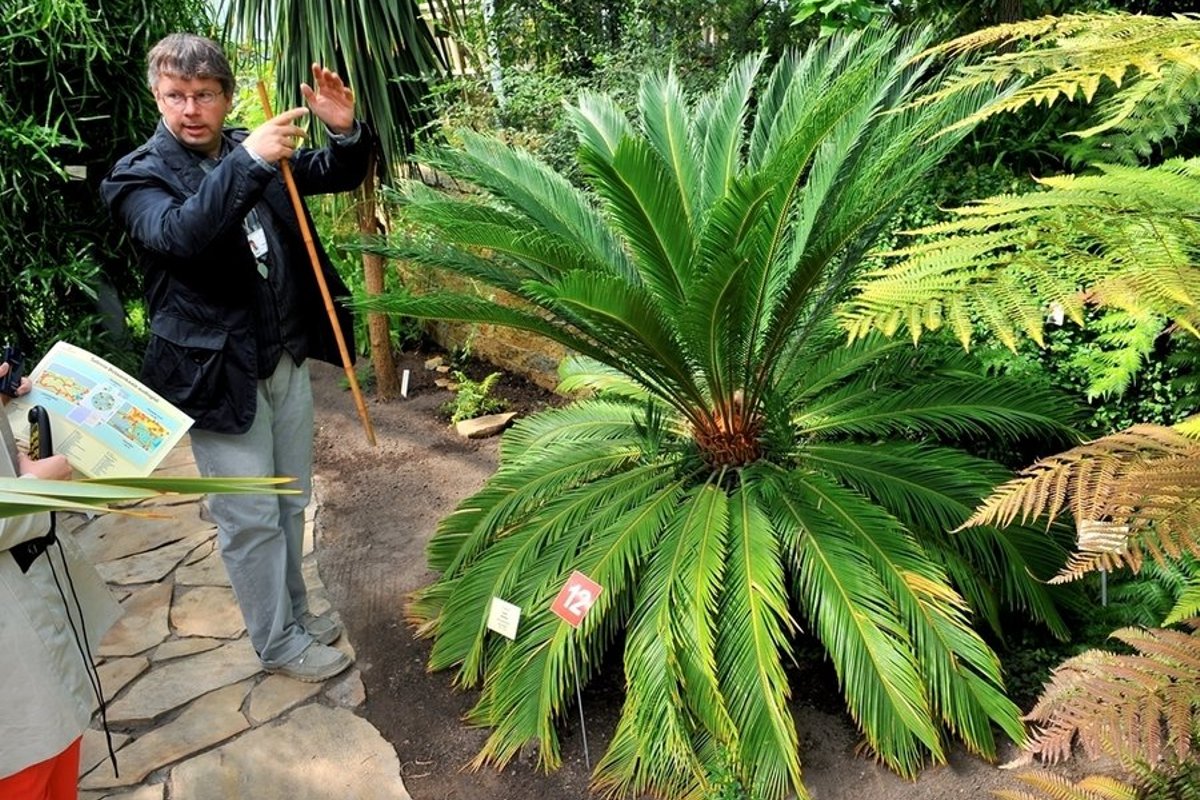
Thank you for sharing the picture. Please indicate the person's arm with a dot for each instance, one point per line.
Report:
(160, 220)
(340, 167)
(14, 530)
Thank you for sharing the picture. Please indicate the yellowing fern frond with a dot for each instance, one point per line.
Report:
(1048, 786)
(1132, 494)
(1140, 708)
(1145, 60)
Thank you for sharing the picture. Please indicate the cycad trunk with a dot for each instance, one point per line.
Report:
(387, 384)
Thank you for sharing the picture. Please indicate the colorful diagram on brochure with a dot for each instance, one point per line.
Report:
(99, 405)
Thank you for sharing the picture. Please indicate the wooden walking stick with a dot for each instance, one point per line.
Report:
(306, 232)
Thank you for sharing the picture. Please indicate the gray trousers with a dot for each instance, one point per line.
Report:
(261, 536)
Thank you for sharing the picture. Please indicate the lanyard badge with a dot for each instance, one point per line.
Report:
(256, 237)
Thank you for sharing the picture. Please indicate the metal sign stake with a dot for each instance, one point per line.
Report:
(587, 759)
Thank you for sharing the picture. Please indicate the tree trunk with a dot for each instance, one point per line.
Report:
(387, 384)
(1005, 11)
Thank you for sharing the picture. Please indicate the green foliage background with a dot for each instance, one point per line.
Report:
(72, 93)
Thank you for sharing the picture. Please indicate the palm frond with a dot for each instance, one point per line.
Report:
(599, 123)
(530, 255)
(849, 608)
(582, 374)
(954, 406)
(633, 326)
(960, 673)
(507, 566)
(671, 653)
(464, 308)
(718, 129)
(931, 490)
(537, 192)
(96, 495)
(664, 111)
(586, 420)
(384, 51)
(752, 634)
(525, 691)
(645, 204)
(517, 488)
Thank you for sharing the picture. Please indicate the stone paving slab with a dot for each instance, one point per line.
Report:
(193, 716)
(207, 571)
(94, 749)
(115, 675)
(275, 695)
(314, 753)
(210, 720)
(143, 623)
(114, 536)
(177, 683)
(153, 792)
(152, 566)
(177, 648)
(210, 611)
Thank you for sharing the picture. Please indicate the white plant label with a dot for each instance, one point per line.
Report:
(503, 618)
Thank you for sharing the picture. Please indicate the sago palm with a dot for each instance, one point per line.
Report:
(737, 475)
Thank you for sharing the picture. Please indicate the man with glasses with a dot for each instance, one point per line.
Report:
(235, 311)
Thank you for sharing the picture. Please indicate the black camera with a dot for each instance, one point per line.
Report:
(16, 364)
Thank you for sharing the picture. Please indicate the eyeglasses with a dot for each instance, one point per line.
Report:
(178, 100)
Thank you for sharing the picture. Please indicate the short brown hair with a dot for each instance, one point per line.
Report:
(188, 56)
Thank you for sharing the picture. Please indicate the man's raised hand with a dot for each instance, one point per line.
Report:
(332, 101)
(278, 137)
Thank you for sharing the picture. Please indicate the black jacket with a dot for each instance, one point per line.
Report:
(187, 229)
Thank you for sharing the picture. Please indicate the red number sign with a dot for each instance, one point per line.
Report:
(576, 598)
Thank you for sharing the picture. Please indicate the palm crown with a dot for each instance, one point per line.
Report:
(735, 471)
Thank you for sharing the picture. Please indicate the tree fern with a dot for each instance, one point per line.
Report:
(1122, 238)
(1147, 64)
(1128, 235)
(1137, 709)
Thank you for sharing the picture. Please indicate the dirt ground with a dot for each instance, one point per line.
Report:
(379, 506)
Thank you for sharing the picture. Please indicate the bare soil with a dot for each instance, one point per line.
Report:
(379, 507)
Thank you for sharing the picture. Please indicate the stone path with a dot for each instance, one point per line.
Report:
(192, 714)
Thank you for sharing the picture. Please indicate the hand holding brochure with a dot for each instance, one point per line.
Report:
(104, 422)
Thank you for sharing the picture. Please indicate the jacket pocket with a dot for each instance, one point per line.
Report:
(185, 361)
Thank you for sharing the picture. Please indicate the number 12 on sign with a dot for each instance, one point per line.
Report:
(578, 595)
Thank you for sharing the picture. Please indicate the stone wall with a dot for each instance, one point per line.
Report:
(515, 351)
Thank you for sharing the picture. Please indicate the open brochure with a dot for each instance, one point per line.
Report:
(102, 420)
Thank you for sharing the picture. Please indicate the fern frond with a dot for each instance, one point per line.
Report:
(1134, 708)
(1124, 240)
(1050, 786)
(1130, 493)
(1075, 56)
(1187, 605)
